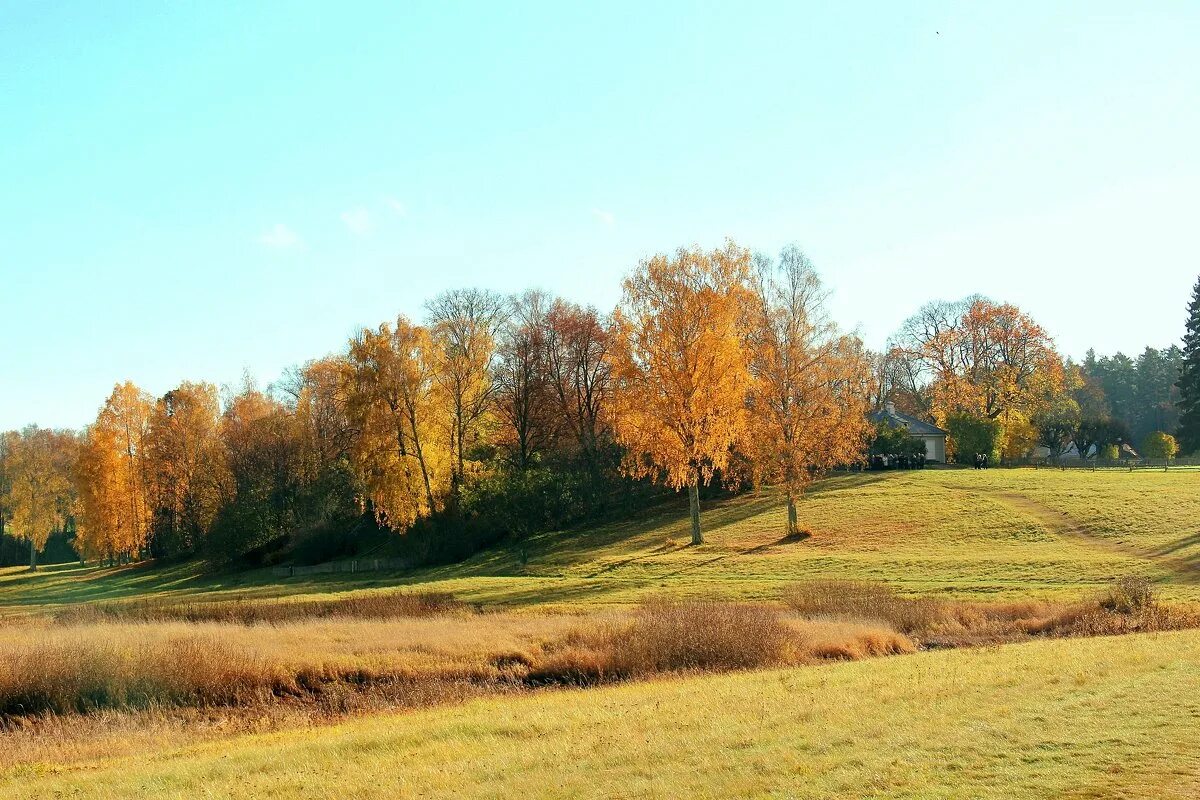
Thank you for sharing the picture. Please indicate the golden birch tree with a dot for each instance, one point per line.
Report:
(463, 324)
(679, 367)
(394, 401)
(186, 466)
(812, 385)
(115, 510)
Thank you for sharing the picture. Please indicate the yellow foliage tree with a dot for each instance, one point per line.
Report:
(680, 372)
(1160, 445)
(394, 401)
(111, 474)
(38, 472)
(463, 325)
(1020, 436)
(812, 386)
(982, 358)
(319, 392)
(186, 464)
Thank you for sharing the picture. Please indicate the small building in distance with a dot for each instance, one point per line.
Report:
(933, 436)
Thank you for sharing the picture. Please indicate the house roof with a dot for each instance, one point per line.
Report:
(917, 427)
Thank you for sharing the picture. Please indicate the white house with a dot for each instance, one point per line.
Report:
(933, 436)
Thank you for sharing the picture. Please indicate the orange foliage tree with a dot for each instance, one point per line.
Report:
(114, 500)
(812, 386)
(186, 464)
(679, 365)
(984, 360)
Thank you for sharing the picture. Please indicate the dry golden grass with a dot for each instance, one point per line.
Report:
(368, 605)
(71, 691)
(669, 637)
(85, 667)
(359, 652)
(89, 673)
(75, 691)
(1127, 606)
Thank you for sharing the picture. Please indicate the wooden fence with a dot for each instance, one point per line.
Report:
(355, 565)
(1094, 464)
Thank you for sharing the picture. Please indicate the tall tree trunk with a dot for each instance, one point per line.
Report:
(410, 415)
(793, 529)
(32, 556)
(459, 428)
(694, 504)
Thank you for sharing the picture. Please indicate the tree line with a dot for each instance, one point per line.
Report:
(990, 375)
(492, 416)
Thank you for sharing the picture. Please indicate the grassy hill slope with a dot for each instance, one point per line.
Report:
(1084, 718)
(996, 533)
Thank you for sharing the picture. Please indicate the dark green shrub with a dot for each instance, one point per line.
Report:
(971, 434)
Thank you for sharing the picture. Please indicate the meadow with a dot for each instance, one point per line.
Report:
(151, 680)
(1026, 534)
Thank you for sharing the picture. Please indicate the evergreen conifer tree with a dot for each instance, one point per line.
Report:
(1189, 381)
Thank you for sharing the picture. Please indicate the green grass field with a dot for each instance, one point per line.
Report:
(1082, 718)
(971, 534)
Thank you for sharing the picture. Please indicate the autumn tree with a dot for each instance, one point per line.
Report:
(318, 394)
(900, 379)
(680, 372)
(463, 324)
(812, 385)
(579, 373)
(524, 399)
(982, 359)
(263, 453)
(400, 451)
(8, 441)
(115, 509)
(186, 467)
(1159, 444)
(39, 488)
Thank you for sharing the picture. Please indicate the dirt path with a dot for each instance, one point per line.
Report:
(1063, 524)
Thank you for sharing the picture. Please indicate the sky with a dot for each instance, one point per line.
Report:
(194, 190)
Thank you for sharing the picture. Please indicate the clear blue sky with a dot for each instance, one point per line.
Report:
(191, 192)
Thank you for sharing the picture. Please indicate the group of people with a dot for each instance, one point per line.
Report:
(898, 461)
(981, 460)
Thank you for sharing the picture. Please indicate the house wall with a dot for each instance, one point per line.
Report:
(935, 448)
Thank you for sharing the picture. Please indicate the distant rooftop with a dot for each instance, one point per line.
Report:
(918, 427)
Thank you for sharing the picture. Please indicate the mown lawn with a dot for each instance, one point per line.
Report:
(976, 534)
(1083, 718)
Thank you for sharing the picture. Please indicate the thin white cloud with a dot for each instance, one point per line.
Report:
(606, 217)
(396, 206)
(358, 221)
(279, 236)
